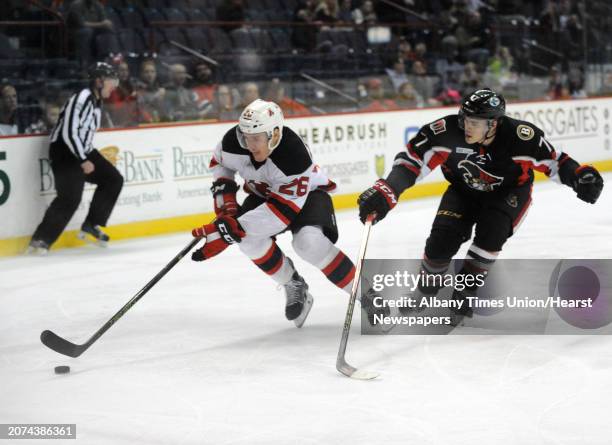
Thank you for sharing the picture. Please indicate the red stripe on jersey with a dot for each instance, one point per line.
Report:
(525, 167)
(213, 162)
(563, 159)
(331, 266)
(412, 168)
(438, 158)
(278, 214)
(287, 202)
(329, 187)
(412, 152)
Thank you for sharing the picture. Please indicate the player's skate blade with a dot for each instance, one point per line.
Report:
(299, 321)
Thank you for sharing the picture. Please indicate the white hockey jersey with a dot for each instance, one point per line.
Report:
(284, 180)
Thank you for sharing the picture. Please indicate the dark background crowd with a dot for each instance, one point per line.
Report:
(184, 60)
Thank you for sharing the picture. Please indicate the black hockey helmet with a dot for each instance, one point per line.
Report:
(102, 70)
(482, 104)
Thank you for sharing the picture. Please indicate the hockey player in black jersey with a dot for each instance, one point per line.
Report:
(488, 158)
(286, 191)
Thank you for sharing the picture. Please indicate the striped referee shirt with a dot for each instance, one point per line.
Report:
(77, 123)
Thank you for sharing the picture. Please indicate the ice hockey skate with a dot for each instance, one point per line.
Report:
(299, 300)
(37, 247)
(367, 303)
(92, 234)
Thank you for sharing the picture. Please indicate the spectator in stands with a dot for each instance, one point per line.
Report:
(397, 74)
(474, 40)
(501, 65)
(250, 92)
(150, 94)
(404, 50)
(368, 13)
(13, 120)
(181, 101)
(571, 36)
(290, 107)
(420, 54)
(408, 97)
(347, 14)
(304, 37)
(225, 108)
(46, 123)
(230, 11)
(122, 104)
(327, 11)
(575, 83)
(203, 85)
(376, 100)
(86, 19)
(555, 83)
(446, 96)
(448, 67)
(420, 81)
(470, 79)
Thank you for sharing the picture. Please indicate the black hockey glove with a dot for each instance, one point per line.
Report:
(379, 198)
(588, 183)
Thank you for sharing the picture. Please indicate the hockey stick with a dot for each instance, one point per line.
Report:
(341, 364)
(63, 346)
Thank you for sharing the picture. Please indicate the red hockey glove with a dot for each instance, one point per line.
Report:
(379, 198)
(224, 197)
(219, 234)
(588, 183)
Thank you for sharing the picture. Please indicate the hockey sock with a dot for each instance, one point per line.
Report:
(274, 263)
(433, 271)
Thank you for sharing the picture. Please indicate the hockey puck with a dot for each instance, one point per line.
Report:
(62, 369)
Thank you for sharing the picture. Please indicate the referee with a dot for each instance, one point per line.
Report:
(74, 161)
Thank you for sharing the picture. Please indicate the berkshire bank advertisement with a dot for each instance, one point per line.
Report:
(166, 169)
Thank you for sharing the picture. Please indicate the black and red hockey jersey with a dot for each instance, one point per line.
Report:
(519, 148)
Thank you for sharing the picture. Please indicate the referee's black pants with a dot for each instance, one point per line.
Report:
(69, 182)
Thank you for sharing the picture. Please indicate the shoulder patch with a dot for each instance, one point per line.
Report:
(525, 132)
(438, 126)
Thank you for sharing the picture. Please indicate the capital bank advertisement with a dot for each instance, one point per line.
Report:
(166, 168)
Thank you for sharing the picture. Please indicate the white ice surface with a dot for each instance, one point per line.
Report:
(207, 356)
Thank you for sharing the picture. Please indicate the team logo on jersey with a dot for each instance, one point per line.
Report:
(525, 132)
(379, 162)
(478, 178)
(260, 188)
(438, 126)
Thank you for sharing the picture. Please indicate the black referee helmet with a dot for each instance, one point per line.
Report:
(102, 70)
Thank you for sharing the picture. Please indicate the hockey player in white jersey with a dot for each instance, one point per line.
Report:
(286, 191)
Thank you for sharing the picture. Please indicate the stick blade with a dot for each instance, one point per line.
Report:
(58, 344)
(354, 373)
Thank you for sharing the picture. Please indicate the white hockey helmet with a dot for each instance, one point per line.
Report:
(258, 117)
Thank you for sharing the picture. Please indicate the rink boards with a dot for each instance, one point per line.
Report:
(167, 179)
